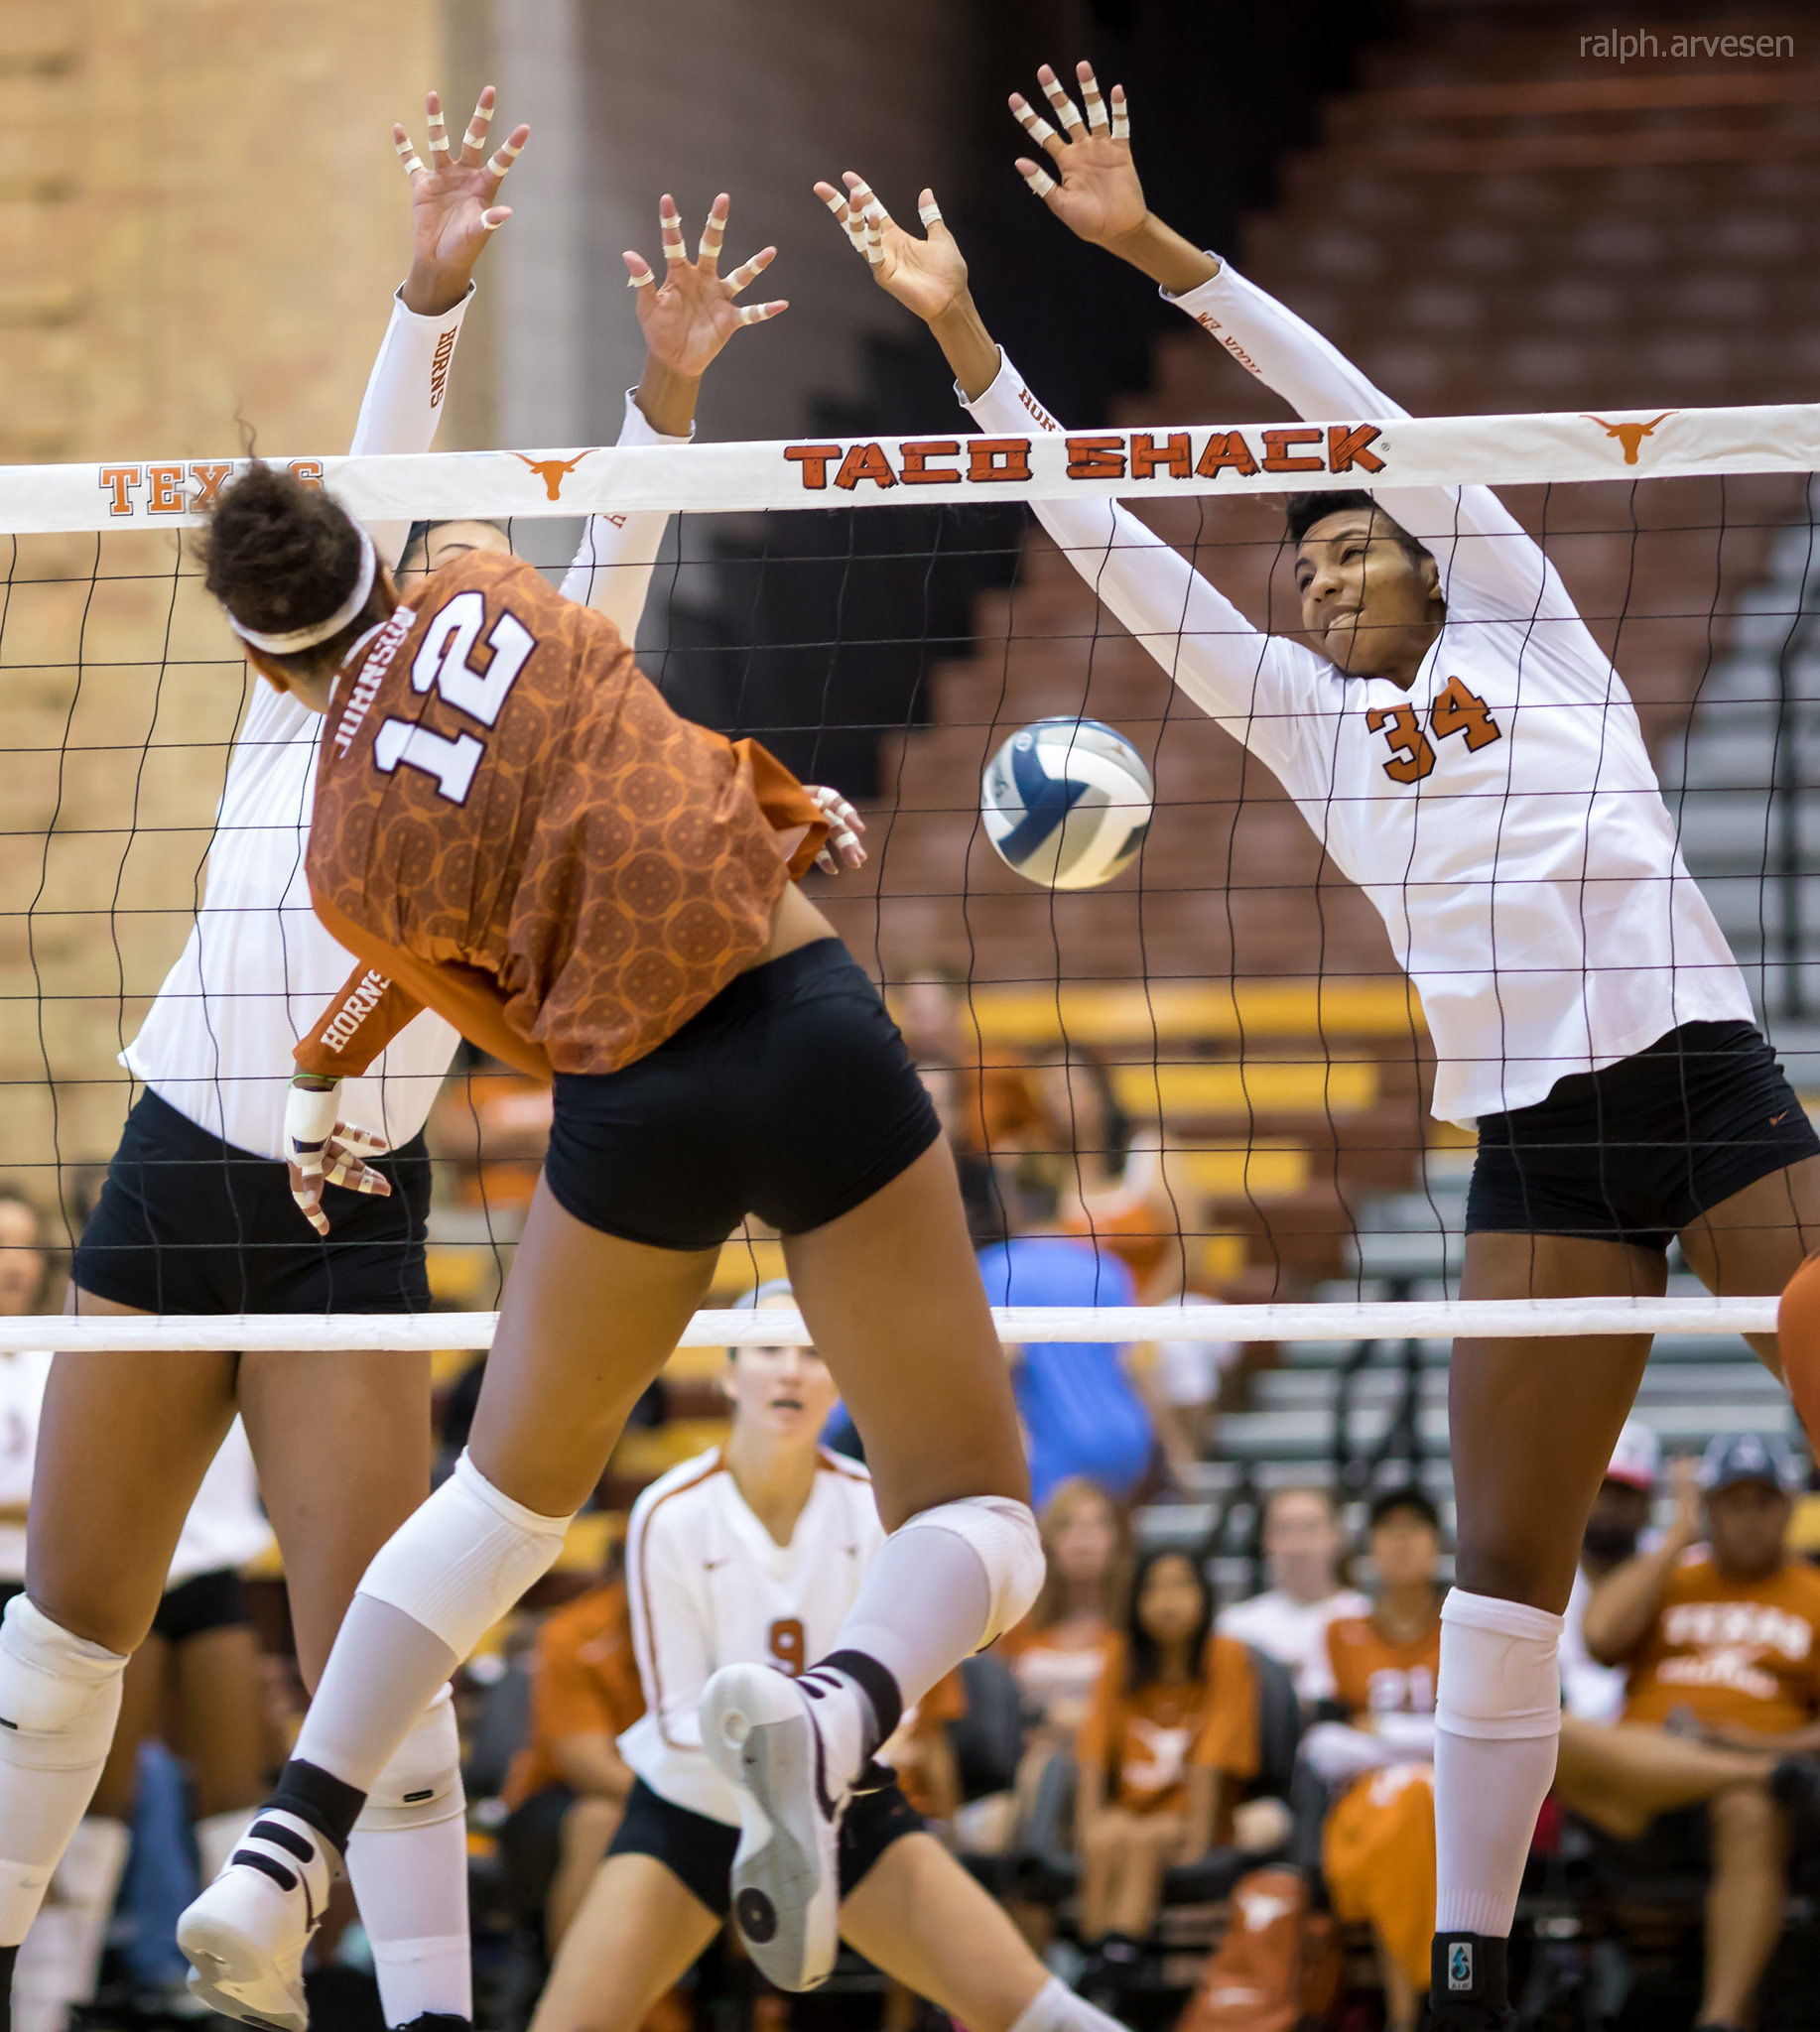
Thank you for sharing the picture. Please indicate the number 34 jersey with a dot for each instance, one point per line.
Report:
(710, 1586)
(513, 829)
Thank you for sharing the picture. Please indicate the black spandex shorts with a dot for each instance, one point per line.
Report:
(215, 1601)
(1639, 1150)
(790, 1095)
(188, 1223)
(699, 1851)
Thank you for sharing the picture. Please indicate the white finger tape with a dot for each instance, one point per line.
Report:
(930, 214)
(1121, 124)
(1041, 182)
(1065, 108)
(504, 157)
(1034, 125)
(1096, 106)
(640, 282)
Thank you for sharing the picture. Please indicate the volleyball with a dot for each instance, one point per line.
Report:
(1066, 803)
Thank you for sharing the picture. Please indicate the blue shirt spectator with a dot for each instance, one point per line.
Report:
(1081, 1413)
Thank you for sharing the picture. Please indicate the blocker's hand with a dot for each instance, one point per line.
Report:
(929, 276)
(843, 849)
(1098, 196)
(690, 315)
(320, 1148)
(452, 209)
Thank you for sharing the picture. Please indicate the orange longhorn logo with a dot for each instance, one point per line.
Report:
(553, 471)
(1629, 435)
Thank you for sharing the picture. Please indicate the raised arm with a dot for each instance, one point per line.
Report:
(1263, 688)
(1488, 563)
(687, 320)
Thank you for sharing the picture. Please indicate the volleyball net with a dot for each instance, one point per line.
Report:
(1210, 1069)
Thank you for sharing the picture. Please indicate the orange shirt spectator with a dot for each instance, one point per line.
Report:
(1147, 1740)
(1740, 1652)
(583, 1682)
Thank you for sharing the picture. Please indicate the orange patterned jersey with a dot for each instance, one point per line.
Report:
(1373, 1675)
(583, 1682)
(1147, 1742)
(513, 829)
(1745, 1652)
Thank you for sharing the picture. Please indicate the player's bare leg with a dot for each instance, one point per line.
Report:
(892, 1299)
(1532, 1425)
(637, 1934)
(1750, 1245)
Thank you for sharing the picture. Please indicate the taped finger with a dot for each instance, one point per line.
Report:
(930, 214)
(1065, 108)
(708, 248)
(408, 155)
(1033, 123)
(337, 1172)
(495, 216)
(670, 230)
(439, 133)
(1097, 122)
(1039, 179)
(639, 276)
(1121, 124)
(746, 270)
(504, 155)
(876, 220)
(474, 142)
(756, 314)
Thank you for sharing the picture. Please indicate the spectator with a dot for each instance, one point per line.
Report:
(1621, 1511)
(23, 1260)
(1057, 1653)
(1082, 1414)
(567, 1786)
(1172, 1732)
(996, 1115)
(1302, 1546)
(1377, 1752)
(1721, 1644)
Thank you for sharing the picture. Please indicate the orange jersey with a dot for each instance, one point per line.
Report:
(583, 1682)
(513, 829)
(1378, 1854)
(1373, 1675)
(1733, 1651)
(1129, 1229)
(1147, 1741)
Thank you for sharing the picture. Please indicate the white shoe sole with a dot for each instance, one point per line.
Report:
(786, 1874)
(223, 1964)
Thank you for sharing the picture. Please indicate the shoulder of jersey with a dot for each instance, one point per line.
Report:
(685, 1475)
(1350, 1629)
(845, 1466)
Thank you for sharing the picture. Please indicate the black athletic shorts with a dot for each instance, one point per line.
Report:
(188, 1223)
(790, 1095)
(1639, 1150)
(215, 1601)
(699, 1851)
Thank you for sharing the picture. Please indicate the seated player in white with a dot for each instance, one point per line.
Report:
(1466, 753)
(753, 1553)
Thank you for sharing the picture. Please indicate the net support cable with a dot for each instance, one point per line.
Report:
(744, 476)
(1391, 1320)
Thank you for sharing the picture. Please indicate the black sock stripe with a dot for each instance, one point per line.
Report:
(881, 1690)
(281, 1837)
(283, 1878)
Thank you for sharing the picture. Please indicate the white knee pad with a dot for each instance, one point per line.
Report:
(1004, 1536)
(421, 1784)
(1501, 1675)
(459, 1563)
(60, 1694)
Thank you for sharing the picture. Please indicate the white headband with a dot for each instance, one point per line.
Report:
(319, 631)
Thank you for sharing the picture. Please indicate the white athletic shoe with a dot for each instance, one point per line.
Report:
(764, 1733)
(247, 1934)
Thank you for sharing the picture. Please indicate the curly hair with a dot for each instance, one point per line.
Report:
(1305, 510)
(279, 556)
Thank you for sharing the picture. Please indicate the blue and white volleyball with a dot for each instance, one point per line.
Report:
(1066, 803)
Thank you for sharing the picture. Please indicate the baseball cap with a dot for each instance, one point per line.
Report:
(1733, 1458)
(1636, 1460)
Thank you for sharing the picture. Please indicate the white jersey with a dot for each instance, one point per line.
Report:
(258, 966)
(1502, 815)
(225, 1526)
(710, 1586)
(1293, 1632)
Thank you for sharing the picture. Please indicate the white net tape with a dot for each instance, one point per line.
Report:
(1399, 1320)
(1411, 451)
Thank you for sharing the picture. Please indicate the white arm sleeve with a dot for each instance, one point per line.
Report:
(403, 402)
(1489, 563)
(613, 569)
(1338, 1753)
(670, 1632)
(1263, 688)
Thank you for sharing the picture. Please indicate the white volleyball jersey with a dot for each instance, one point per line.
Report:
(711, 1587)
(258, 966)
(1502, 814)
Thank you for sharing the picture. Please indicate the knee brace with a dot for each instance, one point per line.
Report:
(459, 1563)
(421, 1784)
(1004, 1537)
(1501, 1676)
(60, 1694)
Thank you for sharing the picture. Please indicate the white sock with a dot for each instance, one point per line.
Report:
(921, 1608)
(384, 1670)
(411, 1884)
(61, 1954)
(1497, 1726)
(1056, 2008)
(218, 1836)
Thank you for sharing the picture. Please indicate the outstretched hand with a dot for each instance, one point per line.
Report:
(452, 209)
(689, 317)
(927, 276)
(1098, 196)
